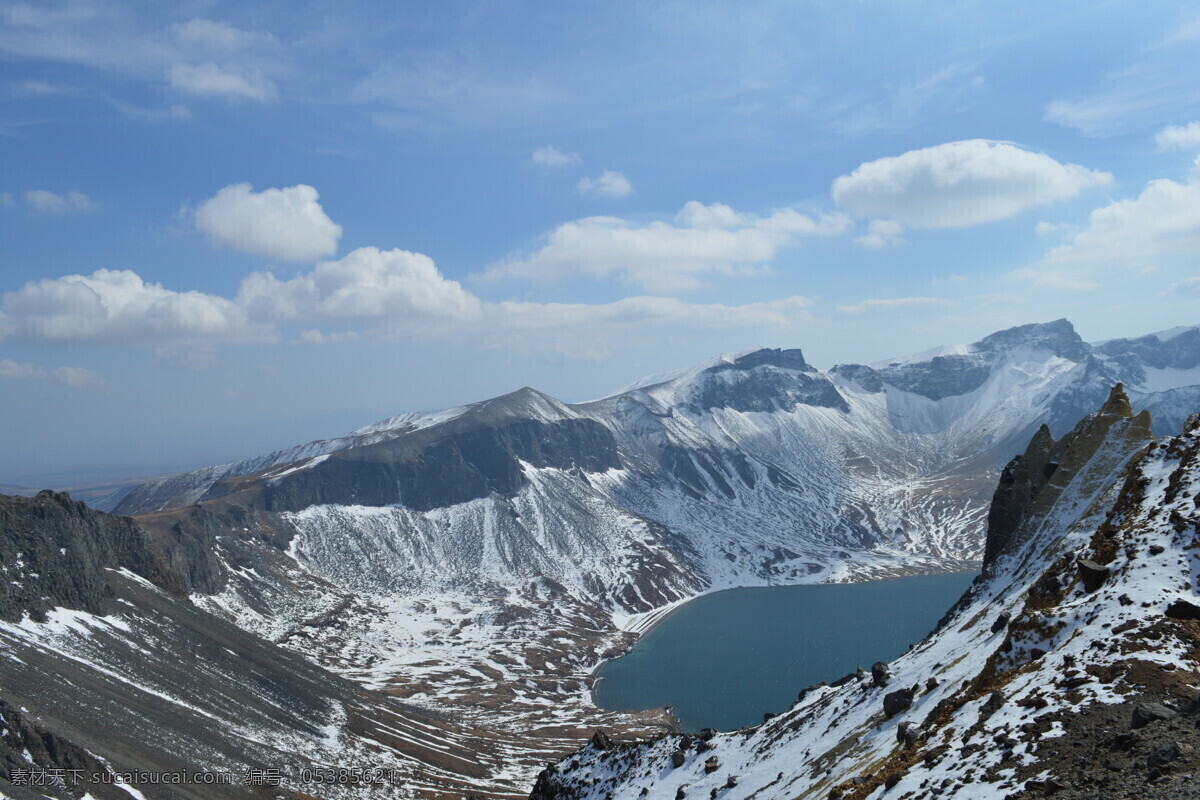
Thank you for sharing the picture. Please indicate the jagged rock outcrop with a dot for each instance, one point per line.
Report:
(54, 552)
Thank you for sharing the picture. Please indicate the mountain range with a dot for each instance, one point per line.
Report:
(437, 584)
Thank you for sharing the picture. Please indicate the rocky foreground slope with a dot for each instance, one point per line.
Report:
(1070, 668)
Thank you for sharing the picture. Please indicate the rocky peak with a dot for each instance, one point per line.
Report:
(1058, 337)
(767, 357)
(1031, 482)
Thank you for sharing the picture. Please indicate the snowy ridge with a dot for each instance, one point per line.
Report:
(1088, 612)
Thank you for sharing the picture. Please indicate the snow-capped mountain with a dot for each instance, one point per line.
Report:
(1069, 668)
(422, 553)
(744, 469)
(479, 563)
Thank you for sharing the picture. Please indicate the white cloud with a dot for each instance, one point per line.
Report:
(12, 370)
(1179, 136)
(882, 233)
(1162, 222)
(368, 293)
(392, 288)
(1066, 280)
(1045, 228)
(1187, 287)
(221, 81)
(608, 184)
(47, 202)
(118, 307)
(960, 183)
(315, 336)
(214, 35)
(287, 224)
(662, 256)
(550, 156)
(893, 303)
(78, 377)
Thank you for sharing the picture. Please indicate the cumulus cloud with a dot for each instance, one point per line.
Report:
(12, 370)
(882, 233)
(391, 287)
(368, 293)
(667, 256)
(1162, 222)
(214, 80)
(959, 184)
(288, 224)
(47, 202)
(608, 184)
(550, 156)
(890, 304)
(78, 377)
(1179, 136)
(117, 306)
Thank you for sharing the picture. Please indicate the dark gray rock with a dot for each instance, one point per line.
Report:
(880, 673)
(601, 741)
(1092, 575)
(711, 765)
(1001, 622)
(1165, 753)
(1182, 609)
(897, 701)
(1145, 713)
(993, 703)
(677, 758)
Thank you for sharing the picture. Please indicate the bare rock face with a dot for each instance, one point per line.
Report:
(56, 551)
(1020, 483)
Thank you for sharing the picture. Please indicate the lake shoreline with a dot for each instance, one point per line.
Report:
(654, 621)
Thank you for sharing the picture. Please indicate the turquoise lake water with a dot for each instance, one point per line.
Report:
(724, 659)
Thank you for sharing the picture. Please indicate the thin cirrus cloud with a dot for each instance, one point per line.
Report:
(45, 201)
(702, 240)
(1186, 287)
(891, 304)
(213, 80)
(368, 292)
(74, 377)
(609, 183)
(959, 184)
(550, 156)
(288, 224)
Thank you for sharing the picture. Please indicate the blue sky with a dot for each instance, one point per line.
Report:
(233, 227)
